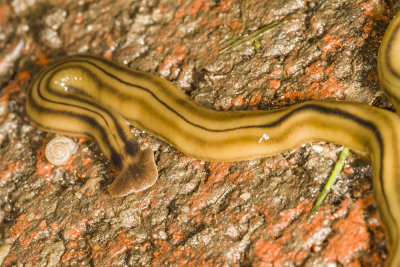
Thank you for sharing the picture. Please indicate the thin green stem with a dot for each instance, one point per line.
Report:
(251, 37)
(332, 179)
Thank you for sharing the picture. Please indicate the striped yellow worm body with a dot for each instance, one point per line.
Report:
(93, 97)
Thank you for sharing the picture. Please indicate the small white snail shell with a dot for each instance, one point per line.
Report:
(60, 149)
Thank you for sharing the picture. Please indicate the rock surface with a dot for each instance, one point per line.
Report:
(199, 213)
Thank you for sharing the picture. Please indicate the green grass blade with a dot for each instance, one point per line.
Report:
(251, 37)
(331, 181)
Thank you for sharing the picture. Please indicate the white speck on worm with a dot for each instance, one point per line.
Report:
(263, 137)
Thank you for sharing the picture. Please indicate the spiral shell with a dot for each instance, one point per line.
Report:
(59, 150)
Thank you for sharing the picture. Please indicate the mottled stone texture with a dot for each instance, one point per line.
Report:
(199, 213)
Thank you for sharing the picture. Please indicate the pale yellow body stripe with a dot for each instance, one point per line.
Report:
(91, 96)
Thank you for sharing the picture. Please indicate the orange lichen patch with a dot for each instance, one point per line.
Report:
(193, 10)
(315, 72)
(225, 106)
(226, 5)
(319, 88)
(368, 8)
(255, 98)
(330, 88)
(266, 251)
(179, 14)
(44, 169)
(108, 54)
(235, 24)
(10, 168)
(165, 67)
(343, 246)
(331, 44)
(277, 70)
(218, 171)
(287, 217)
(4, 99)
(79, 20)
(209, 51)
(196, 6)
(109, 39)
(146, 212)
(180, 49)
(24, 75)
(145, 247)
(238, 177)
(198, 202)
(159, 49)
(274, 84)
(368, 27)
(181, 255)
(188, 160)
(305, 230)
(178, 235)
(5, 12)
(43, 60)
(98, 251)
(119, 246)
(289, 68)
(162, 8)
(348, 170)
(177, 253)
(161, 248)
(27, 239)
(376, 10)
(189, 257)
(239, 101)
(241, 176)
(144, 204)
(73, 232)
(72, 252)
(354, 264)
(293, 225)
(86, 162)
(69, 164)
(22, 223)
(17, 85)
